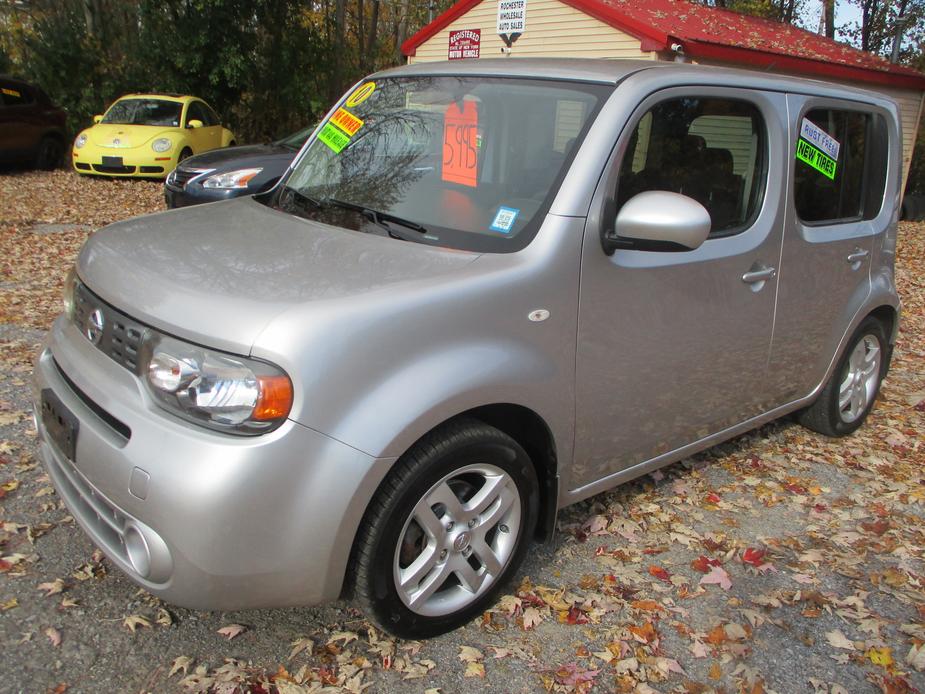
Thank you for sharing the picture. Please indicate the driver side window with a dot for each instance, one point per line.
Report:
(709, 149)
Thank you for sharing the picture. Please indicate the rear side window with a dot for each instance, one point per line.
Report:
(711, 150)
(14, 95)
(840, 168)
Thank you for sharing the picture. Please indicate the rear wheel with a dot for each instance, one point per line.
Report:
(447, 529)
(849, 395)
(49, 153)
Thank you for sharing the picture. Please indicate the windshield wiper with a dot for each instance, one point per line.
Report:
(383, 219)
(290, 196)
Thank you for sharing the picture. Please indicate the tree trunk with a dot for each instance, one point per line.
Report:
(338, 46)
(828, 11)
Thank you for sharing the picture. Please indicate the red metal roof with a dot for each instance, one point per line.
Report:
(710, 33)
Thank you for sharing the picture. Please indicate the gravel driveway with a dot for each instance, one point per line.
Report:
(779, 561)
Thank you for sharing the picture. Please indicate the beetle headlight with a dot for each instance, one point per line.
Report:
(80, 141)
(161, 144)
(218, 390)
(231, 179)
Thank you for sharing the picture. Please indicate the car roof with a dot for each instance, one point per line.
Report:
(182, 98)
(614, 71)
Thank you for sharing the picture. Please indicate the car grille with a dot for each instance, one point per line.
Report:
(182, 175)
(114, 169)
(120, 338)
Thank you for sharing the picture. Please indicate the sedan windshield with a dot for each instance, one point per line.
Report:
(144, 112)
(470, 162)
(297, 139)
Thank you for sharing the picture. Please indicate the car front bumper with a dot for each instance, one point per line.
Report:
(137, 162)
(201, 519)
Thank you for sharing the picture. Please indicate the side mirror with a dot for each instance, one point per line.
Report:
(97, 119)
(195, 123)
(658, 220)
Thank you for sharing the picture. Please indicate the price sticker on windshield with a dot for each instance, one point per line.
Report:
(460, 144)
(333, 138)
(346, 121)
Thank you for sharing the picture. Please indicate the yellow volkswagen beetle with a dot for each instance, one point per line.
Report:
(148, 135)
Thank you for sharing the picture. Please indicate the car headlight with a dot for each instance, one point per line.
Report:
(231, 179)
(161, 144)
(221, 391)
(67, 293)
(80, 141)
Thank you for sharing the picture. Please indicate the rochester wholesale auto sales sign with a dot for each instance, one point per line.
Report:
(512, 16)
(464, 43)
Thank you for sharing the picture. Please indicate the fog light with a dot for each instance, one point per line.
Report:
(139, 555)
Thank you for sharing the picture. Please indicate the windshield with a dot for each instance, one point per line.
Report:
(297, 139)
(144, 112)
(470, 162)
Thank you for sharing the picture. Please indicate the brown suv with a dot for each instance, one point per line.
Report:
(32, 128)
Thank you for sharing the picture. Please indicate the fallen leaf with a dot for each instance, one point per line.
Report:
(232, 630)
(837, 639)
(717, 576)
(299, 645)
(474, 670)
(468, 654)
(54, 636)
(133, 621)
(180, 663)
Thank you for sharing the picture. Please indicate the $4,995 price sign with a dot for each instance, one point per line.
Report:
(460, 149)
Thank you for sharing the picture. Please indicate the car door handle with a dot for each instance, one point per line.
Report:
(762, 275)
(857, 255)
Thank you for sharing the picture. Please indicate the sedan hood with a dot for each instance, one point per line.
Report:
(104, 134)
(241, 157)
(218, 274)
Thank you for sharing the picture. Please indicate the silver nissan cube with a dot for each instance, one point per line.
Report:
(483, 291)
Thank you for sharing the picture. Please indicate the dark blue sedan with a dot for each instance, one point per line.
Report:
(231, 171)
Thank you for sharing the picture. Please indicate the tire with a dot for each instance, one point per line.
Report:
(232, 144)
(185, 153)
(849, 395)
(429, 524)
(49, 153)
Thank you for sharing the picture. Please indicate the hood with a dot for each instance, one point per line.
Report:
(228, 158)
(217, 274)
(103, 134)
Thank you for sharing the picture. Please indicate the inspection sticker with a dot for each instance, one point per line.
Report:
(815, 135)
(333, 138)
(346, 121)
(816, 158)
(361, 94)
(504, 219)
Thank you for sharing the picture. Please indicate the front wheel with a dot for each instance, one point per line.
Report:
(447, 529)
(49, 153)
(186, 153)
(849, 395)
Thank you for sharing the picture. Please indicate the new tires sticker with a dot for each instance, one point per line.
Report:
(818, 149)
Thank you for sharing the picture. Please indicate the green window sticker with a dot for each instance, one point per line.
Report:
(333, 138)
(816, 158)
